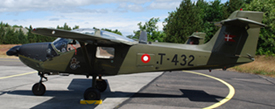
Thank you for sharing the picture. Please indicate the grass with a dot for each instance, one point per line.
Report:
(4, 49)
(263, 65)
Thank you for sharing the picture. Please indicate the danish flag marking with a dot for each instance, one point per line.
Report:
(229, 38)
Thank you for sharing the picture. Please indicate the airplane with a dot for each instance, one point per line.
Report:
(97, 53)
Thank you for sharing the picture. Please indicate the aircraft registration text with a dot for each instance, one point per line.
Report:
(178, 59)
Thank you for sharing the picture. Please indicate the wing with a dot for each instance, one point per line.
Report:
(85, 35)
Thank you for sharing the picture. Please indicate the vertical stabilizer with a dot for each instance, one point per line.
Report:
(236, 40)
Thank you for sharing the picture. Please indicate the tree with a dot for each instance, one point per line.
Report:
(65, 27)
(201, 5)
(214, 12)
(115, 31)
(76, 27)
(233, 5)
(153, 34)
(22, 38)
(7, 25)
(2, 33)
(10, 36)
(31, 37)
(247, 1)
(130, 36)
(16, 26)
(266, 40)
(182, 22)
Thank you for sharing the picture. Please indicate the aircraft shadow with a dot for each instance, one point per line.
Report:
(70, 98)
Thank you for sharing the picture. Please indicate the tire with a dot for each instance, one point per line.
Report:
(38, 89)
(101, 85)
(92, 94)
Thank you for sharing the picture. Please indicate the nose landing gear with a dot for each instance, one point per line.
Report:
(39, 88)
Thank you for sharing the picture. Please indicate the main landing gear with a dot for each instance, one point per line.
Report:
(98, 85)
(92, 93)
(39, 88)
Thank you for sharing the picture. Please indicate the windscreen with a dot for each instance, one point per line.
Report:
(63, 45)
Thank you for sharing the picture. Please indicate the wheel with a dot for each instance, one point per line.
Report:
(92, 94)
(101, 85)
(38, 89)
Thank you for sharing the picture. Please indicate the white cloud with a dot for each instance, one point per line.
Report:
(73, 13)
(54, 19)
(125, 7)
(153, 4)
(164, 4)
(74, 5)
(66, 5)
(50, 5)
(57, 5)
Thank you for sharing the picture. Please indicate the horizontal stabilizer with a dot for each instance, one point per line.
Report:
(241, 22)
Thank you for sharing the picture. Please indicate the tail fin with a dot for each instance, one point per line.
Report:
(236, 41)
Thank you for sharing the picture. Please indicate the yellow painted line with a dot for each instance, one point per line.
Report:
(226, 99)
(90, 101)
(5, 77)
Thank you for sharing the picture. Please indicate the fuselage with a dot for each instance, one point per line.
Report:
(121, 59)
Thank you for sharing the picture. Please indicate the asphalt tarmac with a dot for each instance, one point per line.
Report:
(156, 90)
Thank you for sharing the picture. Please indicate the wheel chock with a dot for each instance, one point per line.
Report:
(95, 102)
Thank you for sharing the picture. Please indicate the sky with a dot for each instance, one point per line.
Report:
(123, 15)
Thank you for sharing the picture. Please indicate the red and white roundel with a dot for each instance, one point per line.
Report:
(145, 58)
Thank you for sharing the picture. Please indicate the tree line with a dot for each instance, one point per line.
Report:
(200, 16)
(189, 17)
(18, 35)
